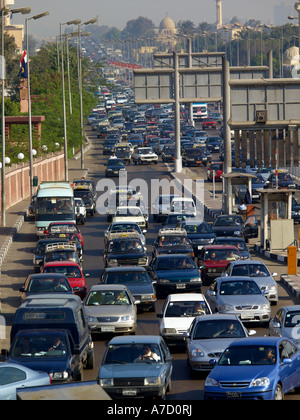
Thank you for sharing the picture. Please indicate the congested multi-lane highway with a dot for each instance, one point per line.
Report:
(18, 265)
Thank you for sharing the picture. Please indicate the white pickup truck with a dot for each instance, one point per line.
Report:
(144, 155)
(130, 214)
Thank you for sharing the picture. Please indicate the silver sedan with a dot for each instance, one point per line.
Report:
(111, 308)
(209, 336)
(286, 323)
(239, 296)
(14, 376)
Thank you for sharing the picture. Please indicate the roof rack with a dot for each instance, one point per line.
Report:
(61, 246)
(124, 235)
(63, 229)
(172, 231)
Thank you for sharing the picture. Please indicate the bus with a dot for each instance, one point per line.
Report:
(199, 111)
(54, 203)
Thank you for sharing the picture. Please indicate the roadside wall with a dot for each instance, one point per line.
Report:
(17, 182)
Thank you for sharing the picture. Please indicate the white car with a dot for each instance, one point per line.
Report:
(130, 214)
(183, 205)
(144, 155)
(80, 210)
(178, 312)
(161, 206)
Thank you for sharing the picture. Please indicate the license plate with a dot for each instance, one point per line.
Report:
(129, 392)
(233, 394)
(180, 286)
(199, 161)
(248, 315)
(108, 329)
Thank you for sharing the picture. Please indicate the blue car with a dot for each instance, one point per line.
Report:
(262, 368)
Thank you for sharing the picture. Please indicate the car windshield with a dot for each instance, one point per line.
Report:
(123, 277)
(172, 240)
(292, 319)
(61, 256)
(174, 219)
(132, 211)
(195, 228)
(250, 270)
(186, 309)
(228, 221)
(219, 328)
(115, 162)
(48, 285)
(107, 297)
(69, 271)
(240, 244)
(39, 346)
(249, 355)
(175, 263)
(216, 254)
(238, 287)
(124, 227)
(133, 245)
(133, 353)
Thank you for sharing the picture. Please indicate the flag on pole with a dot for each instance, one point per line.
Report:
(23, 66)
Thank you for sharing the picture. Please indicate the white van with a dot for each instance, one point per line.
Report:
(183, 205)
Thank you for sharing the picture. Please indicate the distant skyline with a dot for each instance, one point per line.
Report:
(118, 12)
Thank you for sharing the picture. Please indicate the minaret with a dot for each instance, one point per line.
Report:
(219, 14)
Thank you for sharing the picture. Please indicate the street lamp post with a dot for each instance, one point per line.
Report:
(29, 102)
(5, 11)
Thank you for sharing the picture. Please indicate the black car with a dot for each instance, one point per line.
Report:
(172, 241)
(228, 225)
(257, 183)
(168, 153)
(238, 242)
(125, 249)
(214, 144)
(114, 166)
(123, 152)
(174, 218)
(39, 251)
(138, 282)
(200, 233)
(83, 182)
(175, 273)
(235, 225)
(285, 181)
(295, 210)
(193, 156)
(109, 146)
(88, 198)
(37, 284)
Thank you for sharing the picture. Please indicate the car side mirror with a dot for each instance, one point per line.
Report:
(22, 290)
(4, 354)
(86, 275)
(159, 315)
(276, 324)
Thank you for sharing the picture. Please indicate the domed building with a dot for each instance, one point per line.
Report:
(167, 32)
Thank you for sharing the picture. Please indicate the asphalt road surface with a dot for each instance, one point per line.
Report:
(18, 265)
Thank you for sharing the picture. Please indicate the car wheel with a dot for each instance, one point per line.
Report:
(278, 393)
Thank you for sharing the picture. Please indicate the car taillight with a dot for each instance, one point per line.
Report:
(50, 379)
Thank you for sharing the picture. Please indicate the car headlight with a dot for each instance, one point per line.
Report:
(272, 288)
(264, 307)
(197, 353)
(91, 318)
(237, 233)
(107, 382)
(226, 308)
(162, 281)
(211, 382)
(126, 318)
(152, 381)
(113, 262)
(59, 376)
(169, 330)
(211, 240)
(195, 280)
(261, 382)
(143, 260)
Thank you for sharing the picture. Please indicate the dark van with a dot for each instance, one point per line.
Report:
(45, 314)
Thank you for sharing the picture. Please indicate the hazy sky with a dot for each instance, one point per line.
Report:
(118, 12)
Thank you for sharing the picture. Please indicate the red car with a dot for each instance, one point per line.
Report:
(218, 168)
(213, 259)
(73, 273)
(209, 123)
(64, 227)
